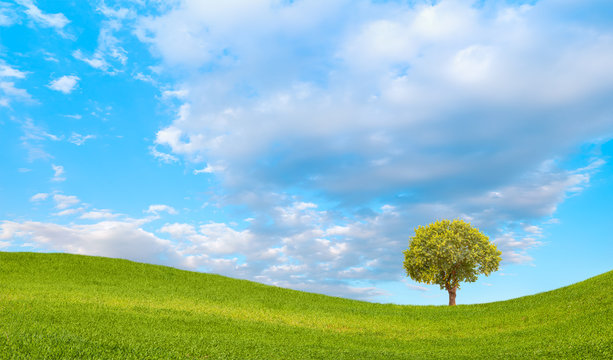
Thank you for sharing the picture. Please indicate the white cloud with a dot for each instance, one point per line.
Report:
(68, 212)
(57, 21)
(39, 197)
(63, 202)
(9, 89)
(533, 229)
(209, 169)
(178, 230)
(155, 209)
(472, 64)
(7, 71)
(415, 287)
(118, 13)
(109, 55)
(79, 139)
(108, 44)
(514, 247)
(50, 57)
(145, 78)
(32, 131)
(122, 239)
(536, 195)
(179, 94)
(98, 214)
(64, 84)
(8, 15)
(58, 173)
(289, 245)
(33, 139)
(96, 62)
(211, 239)
(161, 156)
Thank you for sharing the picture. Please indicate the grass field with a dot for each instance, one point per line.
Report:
(68, 306)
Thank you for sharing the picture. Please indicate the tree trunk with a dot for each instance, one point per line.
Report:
(452, 293)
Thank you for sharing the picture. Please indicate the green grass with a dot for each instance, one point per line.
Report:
(68, 306)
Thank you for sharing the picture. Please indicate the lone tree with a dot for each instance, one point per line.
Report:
(449, 252)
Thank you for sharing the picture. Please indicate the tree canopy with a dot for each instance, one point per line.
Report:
(450, 252)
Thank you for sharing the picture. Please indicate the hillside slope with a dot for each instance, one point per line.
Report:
(70, 306)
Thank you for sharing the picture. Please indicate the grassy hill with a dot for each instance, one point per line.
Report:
(68, 306)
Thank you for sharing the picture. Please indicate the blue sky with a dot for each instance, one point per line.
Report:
(299, 143)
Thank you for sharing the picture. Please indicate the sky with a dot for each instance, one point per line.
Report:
(299, 143)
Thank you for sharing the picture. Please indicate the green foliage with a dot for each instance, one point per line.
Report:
(59, 306)
(448, 253)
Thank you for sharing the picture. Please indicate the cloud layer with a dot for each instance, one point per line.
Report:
(434, 100)
(446, 109)
(332, 128)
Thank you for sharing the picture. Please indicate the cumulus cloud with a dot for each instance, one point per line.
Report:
(65, 84)
(295, 245)
(211, 239)
(514, 247)
(178, 230)
(158, 208)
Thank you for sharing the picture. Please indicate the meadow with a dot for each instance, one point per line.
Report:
(55, 306)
